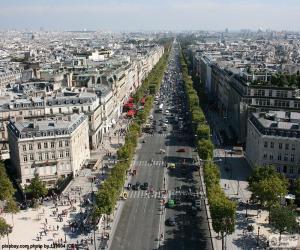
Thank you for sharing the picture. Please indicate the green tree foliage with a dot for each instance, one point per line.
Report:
(203, 131)
(6, 188)
(5, 228)
(261, 173)
(223, 216)
(205, 149)
(270, 191)
(283, 219)
(37, 188)
(11, 207)
(295, 189)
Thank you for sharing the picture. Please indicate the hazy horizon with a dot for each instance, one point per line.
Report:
(125, 15)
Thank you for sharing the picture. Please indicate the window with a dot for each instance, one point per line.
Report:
(25, 158)
(291, 170)
(31, 157)
(265, 156)
(270, 92)
(271, 157)
(52, 144)
(53, 155)
(45, 145)
(298, 170)
(284, 169)
(272, 144)
(24, 147)
(280, 145)
(286, 146)
(46, 156)
(59, 110)
(40, 157)
(39, 145)
(67, 153)
(286, 157)
(278, 169)
(66, 143)
(60, 144)
(30, 146)
(279, 157)
(293, 146)
(266, 144)
(61, 154)
(292, 157)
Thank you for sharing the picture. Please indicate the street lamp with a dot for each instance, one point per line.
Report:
(257, 243)
(247, 209)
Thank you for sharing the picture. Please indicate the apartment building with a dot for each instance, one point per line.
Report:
(274, 140)
(51, 147)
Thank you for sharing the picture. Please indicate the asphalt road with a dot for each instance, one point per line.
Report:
(143, 217)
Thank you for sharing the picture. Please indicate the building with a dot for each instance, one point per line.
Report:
(52, 147)
(273, 138)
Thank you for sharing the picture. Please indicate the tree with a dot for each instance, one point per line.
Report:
(270, 190)
(283, 219)
(261, 173)
(11, 207)
(5, 229)
(205, 149)
(6, 188)
(203, 131)
(211, 174)
(295, 189)
(223, 216)
(37, 188)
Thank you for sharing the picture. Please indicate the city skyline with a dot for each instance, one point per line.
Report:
(124, 15)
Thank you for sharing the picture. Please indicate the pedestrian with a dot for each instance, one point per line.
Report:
(46, 221)
(57, 227)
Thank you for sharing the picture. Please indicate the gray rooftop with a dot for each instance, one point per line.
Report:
(46, 127)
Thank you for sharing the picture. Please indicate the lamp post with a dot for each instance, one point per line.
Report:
(257, 243)
(238, 187)
(247, 209)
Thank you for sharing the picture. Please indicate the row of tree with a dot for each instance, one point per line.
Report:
(109, 192)
(223, 211)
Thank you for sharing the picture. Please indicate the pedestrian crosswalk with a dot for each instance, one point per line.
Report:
(149, 163)
(156, 134)
(144, 194)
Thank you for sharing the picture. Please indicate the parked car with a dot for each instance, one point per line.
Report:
(171, 221)
(145, 186)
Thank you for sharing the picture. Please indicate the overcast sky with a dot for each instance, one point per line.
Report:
(129, 15)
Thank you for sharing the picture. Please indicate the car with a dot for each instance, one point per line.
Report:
(136, 186)
(180, 150)
(197, 204)
(171, 203)
(145, 186)
(192, 211)
(171, 221)
(171, 165)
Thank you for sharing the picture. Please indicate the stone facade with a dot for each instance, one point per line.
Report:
(52, 148)
(274, 139)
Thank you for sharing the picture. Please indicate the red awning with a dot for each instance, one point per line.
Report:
(130, 99)
(131, 112)
(128, 105)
